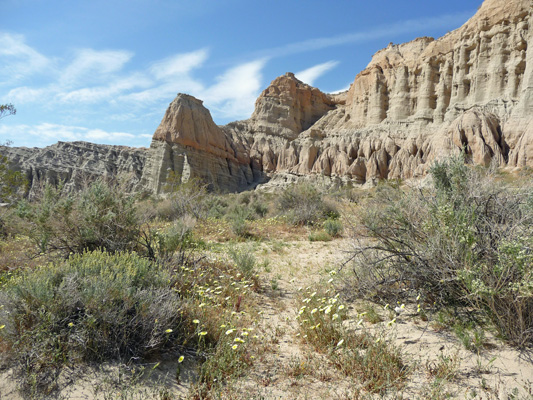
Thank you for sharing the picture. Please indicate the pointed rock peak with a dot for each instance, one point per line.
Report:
(289, 106)
(187, 98)
(289, 79)
(189, 123)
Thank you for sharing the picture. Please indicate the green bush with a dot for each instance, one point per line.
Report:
(186, 198)
(333, 227)
(95, 306)
(12, 186)
(12, 183)
(217, 206)
(319, 236)
(102, 216)
(464, 242)
(260, 208)
(237, 217)
(161, 245)
(244, 260)
(303, 204)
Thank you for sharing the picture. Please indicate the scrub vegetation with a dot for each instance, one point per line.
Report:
(309, 292)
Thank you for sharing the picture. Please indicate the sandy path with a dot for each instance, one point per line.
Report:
(292, 370)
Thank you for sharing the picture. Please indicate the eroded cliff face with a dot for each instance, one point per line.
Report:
(414, 103)
(241, 154)
(74, 164)
(188, 144)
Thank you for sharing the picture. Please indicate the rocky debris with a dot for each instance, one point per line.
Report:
(76, 163)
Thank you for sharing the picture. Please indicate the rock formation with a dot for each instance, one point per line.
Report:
(75, 163)
(188, 144)
(413, 103)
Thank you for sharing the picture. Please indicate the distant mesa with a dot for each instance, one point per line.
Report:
(414, 103)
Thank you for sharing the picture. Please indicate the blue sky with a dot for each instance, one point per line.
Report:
(105, 70)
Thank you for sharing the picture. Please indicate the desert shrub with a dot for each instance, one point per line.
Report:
(244, 260)
(237, 216)
(333, 227)
(255, 203)
(101, 216)
(217, 206)
(303, 204)
(247, 205)
(259, 207)
(13, 183)
(12, 186)
(319, 236)
(172, 243)
(182, 199)
(465, 241)
(94, 306)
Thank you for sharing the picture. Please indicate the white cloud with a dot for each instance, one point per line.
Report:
(18, 60)
(391, 30)
(344, 89)
(309, 75)
(236, 90)
(164, 91)
(90, 64)
(46, 132)
(99, 134)
(231, 96)
(24, 94)
(104, 93)
(179, 65)
(171, 75)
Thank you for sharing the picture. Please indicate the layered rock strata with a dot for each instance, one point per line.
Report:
(188, 144)
(471, 89)
(414, 103)
(73, 164)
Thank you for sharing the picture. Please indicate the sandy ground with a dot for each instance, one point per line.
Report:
(495, 373)
(289, 369)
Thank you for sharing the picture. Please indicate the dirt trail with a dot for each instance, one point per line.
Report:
(287, 368)
(292, 370)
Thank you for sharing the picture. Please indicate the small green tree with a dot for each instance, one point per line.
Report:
(6, 110)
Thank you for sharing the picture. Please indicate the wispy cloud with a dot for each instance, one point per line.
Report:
(25, 95)
(169, 76)
(309, 75)
(384, 31)
(18, 60)
(344, 89)
(44, 132)
(179, 64)
(90, 65)
(105, 92)
(235, 92)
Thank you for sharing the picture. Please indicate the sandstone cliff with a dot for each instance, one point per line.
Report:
(413, 103)
(188, 144)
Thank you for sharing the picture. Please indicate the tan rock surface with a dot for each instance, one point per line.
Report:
(414, 103)
(190, 145)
